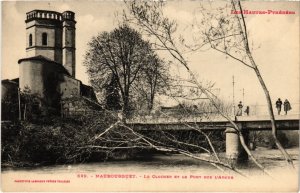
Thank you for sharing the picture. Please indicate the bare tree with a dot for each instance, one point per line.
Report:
(153, 79)
(120, 54)
(102, 59)
(225, 30)
(150, 18)
(124, 139)
(123, 58)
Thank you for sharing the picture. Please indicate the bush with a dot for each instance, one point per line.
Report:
(53, 140)
(266, 139)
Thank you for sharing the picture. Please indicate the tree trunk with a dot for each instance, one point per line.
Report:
(125, 110)
(264, 87)
(24, 115)
(236, 127)
(272, 117)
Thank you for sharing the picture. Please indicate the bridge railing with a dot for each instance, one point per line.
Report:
(255, 110)
(263, 109)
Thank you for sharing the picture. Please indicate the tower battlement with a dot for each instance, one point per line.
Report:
(43, 14)
(51, 15)
(68, 15)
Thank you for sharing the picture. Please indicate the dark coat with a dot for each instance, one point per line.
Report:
(287, 106)
(278, 103)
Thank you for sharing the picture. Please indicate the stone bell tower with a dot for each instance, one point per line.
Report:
(50, 50)
(68, 44)
(44, 34)
(52, 35)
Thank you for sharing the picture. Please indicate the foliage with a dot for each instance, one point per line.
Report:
(121, 55)
(9, 107)
(154, 79)
(31, 105)
(112, 98)
(51, 140)
(265, 139)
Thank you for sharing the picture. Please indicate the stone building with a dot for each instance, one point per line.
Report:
(49, 67)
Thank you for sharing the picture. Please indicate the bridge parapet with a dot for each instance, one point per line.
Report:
(288, 122)
(215, 119)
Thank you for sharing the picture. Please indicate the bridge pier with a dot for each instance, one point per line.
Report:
(234, 148)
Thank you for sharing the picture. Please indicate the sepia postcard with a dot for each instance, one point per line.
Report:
(150, 96)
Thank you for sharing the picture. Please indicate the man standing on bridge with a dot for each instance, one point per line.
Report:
(247, 111)
(286, 106)
(239, 111)
(278, 105)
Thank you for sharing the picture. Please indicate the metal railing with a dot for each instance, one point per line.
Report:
(254, 110)
(263, 109)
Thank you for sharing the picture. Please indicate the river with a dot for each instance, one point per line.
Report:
(160, 173)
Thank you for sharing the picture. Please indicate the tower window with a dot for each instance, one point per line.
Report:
(30, 40)
(44, 39)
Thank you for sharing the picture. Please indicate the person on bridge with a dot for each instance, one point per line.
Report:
(278, 105)
(286, 106)
(247, 111)
(239, 111)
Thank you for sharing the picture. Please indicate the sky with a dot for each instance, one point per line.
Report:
(277, 37)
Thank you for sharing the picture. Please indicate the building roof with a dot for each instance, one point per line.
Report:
(60, 67)
(7, 81)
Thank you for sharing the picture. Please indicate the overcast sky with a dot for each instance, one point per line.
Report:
(277, 36)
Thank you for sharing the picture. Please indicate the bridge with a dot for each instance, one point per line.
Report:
(216, 122)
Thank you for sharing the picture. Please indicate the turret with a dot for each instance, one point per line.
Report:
(68, 46)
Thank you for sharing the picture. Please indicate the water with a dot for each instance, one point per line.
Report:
(82, 176)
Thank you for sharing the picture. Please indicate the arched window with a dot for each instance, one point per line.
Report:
(30, 40)
(44, 39)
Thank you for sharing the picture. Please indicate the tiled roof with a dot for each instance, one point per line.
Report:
(45, 59)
